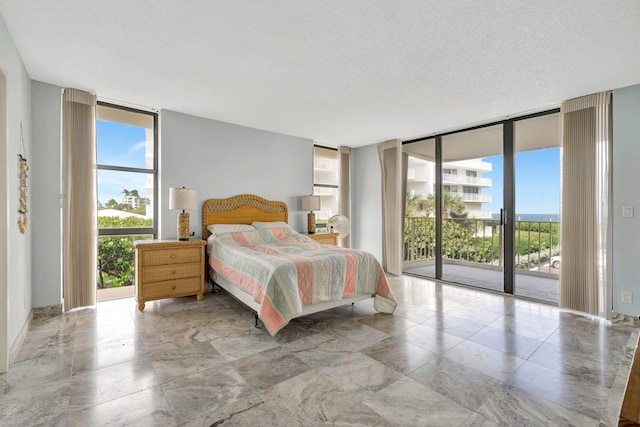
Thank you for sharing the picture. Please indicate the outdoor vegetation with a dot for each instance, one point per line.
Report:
(473, 240)
(115, 253)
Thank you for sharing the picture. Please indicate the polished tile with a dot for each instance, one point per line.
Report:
(567, 390)
(269, 367)
(464, 385)
(511, 406)
(399, 354)
(408, 403)
(506, 342)
(214, 395)
(144, 408)
(449, 356)
(492, 362)
(89, 388)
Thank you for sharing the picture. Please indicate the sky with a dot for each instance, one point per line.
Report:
(120, 145)
(537, 182)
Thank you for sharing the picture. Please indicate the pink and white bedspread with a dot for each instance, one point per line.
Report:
(284, 270)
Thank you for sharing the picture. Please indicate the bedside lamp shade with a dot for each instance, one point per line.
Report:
(311, 203)
(183, 199)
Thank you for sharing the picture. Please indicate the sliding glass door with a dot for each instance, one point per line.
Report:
(420, 213)
(472, 194)
(482, 206)
(537, 223)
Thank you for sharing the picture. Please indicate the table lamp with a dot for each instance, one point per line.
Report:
(311, 203)
(183, 199)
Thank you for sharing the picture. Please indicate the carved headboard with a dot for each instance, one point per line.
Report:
(241, 209)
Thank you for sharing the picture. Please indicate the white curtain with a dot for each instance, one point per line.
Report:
(390, 153)
(585, 276)
(79, 199)
(344, 205)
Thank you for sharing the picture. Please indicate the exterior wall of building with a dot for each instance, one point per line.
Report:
(463, 178)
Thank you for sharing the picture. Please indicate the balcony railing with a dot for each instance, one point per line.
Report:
(475, 197)
(463, 179)
(481, 241)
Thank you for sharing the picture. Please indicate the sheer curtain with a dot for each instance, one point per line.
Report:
(390, 153)
(344, 205)
(585, 276)
(79, 199)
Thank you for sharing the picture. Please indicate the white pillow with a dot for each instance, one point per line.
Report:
(275, 224)
(218, 229)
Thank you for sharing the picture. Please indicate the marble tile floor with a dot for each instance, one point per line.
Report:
(449, 356)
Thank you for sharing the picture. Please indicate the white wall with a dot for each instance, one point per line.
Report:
(222, 160)
(46, 106)
(366, 200)
(626, 231)
(18, 249)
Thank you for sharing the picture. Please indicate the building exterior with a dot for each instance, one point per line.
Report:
(463, 178)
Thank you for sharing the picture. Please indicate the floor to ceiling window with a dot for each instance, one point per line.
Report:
(127, 193)
(495, 222)
(326, 166)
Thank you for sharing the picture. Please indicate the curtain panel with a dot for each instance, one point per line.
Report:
(585, 276)
(344, 181)
(390, 153)
(79, 199)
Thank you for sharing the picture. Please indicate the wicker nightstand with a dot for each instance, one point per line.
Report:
(324, 238)
(168, 269)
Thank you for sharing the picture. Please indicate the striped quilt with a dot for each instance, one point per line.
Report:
(284, 271)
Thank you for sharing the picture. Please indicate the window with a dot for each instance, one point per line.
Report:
(326, 169)
(127, 192)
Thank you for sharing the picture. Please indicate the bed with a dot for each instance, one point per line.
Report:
(281, 274)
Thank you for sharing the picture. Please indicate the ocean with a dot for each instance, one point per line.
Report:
(532, 217)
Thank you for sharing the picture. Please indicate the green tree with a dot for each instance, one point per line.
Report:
(115, 253)
(452, 205)
(416, 205)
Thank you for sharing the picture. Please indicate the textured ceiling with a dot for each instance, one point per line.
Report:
(338, 72)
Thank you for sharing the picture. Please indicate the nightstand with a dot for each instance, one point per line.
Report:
(168, 269)
(324, 238)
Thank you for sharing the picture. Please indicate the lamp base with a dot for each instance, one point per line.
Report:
(311, 223)
(183, 226)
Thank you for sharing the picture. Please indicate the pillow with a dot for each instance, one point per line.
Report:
(218, 229)
(275, 224)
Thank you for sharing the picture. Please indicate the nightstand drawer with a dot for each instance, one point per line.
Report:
(170, 272)
(171, 288)
(171, 256)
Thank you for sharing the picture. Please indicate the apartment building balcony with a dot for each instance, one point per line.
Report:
(466, 180)
(475, 197)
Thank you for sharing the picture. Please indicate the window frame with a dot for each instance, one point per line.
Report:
(134, 230)
(322, 225)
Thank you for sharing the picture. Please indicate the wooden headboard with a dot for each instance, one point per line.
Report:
(241, 209)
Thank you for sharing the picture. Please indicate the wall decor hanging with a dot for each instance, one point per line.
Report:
(22, 163)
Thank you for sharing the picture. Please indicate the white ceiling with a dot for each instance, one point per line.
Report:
(350, 72)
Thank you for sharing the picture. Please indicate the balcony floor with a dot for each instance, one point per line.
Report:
(539, 288)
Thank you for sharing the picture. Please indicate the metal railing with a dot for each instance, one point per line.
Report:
(481, 241)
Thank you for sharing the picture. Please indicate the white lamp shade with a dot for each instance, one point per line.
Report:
(183, 198)
(310, 203)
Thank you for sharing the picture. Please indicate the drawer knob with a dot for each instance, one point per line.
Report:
(173, 272)
(173, 287)
(173, 255)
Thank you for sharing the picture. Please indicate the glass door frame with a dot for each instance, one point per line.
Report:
(507, 218)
